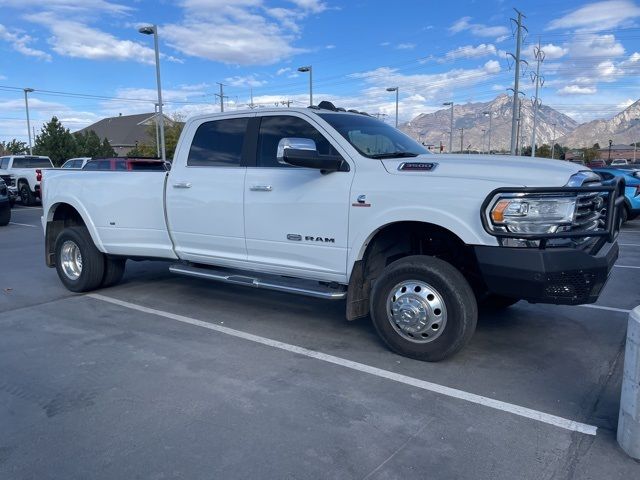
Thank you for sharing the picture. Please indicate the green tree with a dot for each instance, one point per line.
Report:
(172, 133)
(56, 142)
(596, 146)
(543, 151)
(89, 145)
(106, 150)
(14, 147)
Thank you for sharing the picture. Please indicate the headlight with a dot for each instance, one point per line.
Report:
(519, 213)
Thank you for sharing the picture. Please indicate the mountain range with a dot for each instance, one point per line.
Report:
(471, 126)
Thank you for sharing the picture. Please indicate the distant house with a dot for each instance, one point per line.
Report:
(124, 132)
(617, 151)
(574, 155)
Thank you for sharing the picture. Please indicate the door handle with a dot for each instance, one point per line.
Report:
(182, 185)
(261, 188)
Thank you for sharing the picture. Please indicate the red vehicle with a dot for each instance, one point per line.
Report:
(597, 163)
(125, 163)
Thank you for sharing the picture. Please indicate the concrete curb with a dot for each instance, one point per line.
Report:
(629, 419)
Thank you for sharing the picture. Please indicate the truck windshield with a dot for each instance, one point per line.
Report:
(373, 138)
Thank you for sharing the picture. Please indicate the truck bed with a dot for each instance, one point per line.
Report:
(124, 211)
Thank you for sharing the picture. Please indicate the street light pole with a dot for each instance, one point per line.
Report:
(309, 69)
(153, 30)
(397, 90)
(446, 104)
(26, 105)
(490, 117)
(155, 109)
(553, 147)
(610, 143)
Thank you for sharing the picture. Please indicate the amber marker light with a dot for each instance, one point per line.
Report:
(497, 214)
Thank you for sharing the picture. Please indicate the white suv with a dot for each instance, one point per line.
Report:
(22, 174)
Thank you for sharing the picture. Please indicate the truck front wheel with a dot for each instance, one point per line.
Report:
(423, 308)
(26, 196)
(80, 265)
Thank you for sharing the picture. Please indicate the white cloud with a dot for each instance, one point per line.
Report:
(598, 16)
(577, 90)
(20, 43)
(69, 6)
(244, 81)
(406, 46)
(584, 46)
(469, 51)
(74, 39)
(430, 86)
(552, 52)
(478, 29)
(624, 104)
(282, 71)
(243, 32)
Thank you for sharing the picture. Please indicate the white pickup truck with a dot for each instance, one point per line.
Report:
(339, 205)
(22, 174)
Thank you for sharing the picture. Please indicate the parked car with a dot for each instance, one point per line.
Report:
(130, 164)
(597, 163)
(619, 161)
(75, 163)
(24, 173)
(631, 179)
(5, 206)
(340, 205)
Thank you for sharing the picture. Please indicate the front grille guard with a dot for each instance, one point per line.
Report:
(614, 189)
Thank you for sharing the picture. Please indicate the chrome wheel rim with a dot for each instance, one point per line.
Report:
(71, 260)
(416, 311)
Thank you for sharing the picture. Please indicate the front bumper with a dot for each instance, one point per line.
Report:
(13, 193)
(562, 276)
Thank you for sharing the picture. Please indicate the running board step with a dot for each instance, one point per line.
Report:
(299, 286)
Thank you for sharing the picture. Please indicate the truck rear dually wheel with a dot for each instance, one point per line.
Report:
(113, 271)
(80, 265)
(423, 308)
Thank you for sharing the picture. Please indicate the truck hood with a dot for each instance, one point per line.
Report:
(505, 169)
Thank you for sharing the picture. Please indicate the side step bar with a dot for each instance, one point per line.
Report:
(270, 282)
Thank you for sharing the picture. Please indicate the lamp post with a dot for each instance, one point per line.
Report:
(610, 143)
(488, 114)
(155, 109)
(309, 69)
(446, 104)
(484, 136)
(553, 147)
(397, 90)
(26, 105)
(153, 30)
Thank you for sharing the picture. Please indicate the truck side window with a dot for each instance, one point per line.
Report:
(273, 129)
(4, 163)
(218, 143)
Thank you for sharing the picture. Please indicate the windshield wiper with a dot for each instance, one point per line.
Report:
(394, 155)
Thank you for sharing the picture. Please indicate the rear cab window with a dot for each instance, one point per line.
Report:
(32, 162)
(218, 143)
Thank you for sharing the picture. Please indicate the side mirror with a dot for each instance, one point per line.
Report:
(301, 152)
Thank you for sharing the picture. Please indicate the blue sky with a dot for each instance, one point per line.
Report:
(434, 51)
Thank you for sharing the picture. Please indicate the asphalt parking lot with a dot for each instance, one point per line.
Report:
(171, 377)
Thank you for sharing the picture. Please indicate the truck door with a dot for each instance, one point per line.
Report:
(296, 219)
(205, 192)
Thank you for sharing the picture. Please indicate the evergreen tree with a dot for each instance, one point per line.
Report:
(14, 147)
(56, 142)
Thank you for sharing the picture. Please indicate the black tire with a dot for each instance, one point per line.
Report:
(92, 269)
(113, 271)
(451, 286)
(496, 302)
(26, 195)
(624, 215)
(5, 214)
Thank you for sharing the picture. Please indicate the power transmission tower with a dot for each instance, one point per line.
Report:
(516, 86)
(553, 146)
(221, 95)
(461, 140)
(539, 81)
(517, 119)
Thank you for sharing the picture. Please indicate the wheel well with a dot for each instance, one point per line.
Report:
(401, 239)
(61, 216)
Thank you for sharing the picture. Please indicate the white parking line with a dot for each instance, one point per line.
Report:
(22, 224)
(629, 244)
(625, 266)
(610, 309)
(360, 367)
